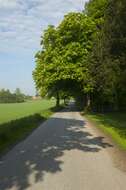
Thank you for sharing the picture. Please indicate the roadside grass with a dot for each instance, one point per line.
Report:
(14, 130)
(113, 124)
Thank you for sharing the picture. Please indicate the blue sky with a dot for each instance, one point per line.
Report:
(21, 25)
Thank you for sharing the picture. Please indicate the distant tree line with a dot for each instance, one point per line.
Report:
(85, 56)
(8, 97)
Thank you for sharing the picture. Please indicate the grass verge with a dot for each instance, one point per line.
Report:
(14, 131)
(113, 124)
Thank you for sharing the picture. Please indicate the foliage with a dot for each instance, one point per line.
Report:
(107, 59)
(115, 46)
(96, 8)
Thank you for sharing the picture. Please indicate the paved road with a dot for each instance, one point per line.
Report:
(65, 153)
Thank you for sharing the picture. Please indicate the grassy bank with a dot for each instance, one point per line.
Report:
(113, 124)
(19, 120)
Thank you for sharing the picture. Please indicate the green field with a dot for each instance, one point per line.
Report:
(113, 124)
(20, 119)
(14, 111)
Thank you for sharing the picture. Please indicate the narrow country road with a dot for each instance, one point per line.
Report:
(64, 153)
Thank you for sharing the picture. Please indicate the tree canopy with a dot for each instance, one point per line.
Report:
(85, 56)
(62, 64)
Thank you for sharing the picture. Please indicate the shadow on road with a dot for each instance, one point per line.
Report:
(41, 152)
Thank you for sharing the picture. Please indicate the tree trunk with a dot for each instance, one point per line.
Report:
(88, 101)
(57, 99)
(64, 101)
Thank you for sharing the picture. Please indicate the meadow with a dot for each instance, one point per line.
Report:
(18, 120)
(13, 111)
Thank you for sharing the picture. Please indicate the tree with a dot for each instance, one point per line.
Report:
(115, 47)
(7, 97)
(107, 59)
(63, 58)
(20, 97)
(18, 91)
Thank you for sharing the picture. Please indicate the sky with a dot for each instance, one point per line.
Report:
(21, 25)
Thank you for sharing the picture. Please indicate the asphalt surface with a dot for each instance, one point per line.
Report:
(64, 153)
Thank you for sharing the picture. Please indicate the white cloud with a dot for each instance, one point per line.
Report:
(8, 4)
(22, 21)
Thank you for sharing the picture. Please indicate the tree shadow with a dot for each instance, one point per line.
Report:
(41, 152)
